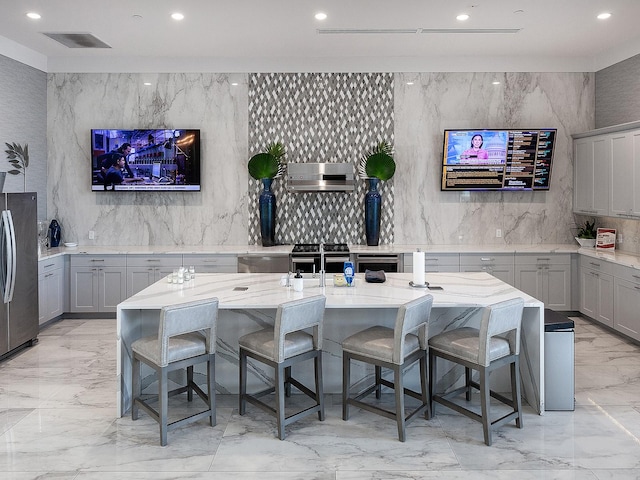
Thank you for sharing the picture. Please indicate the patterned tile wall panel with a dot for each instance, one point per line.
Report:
(320, 117)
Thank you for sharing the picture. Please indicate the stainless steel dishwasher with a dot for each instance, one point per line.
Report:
(263, 263)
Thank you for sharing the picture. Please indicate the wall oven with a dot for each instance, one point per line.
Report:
(307, 257)
(390, 263)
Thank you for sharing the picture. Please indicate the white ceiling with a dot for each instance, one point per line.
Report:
(282, 35)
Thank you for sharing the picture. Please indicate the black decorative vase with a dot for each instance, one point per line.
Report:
(372, 205)
(267, 214)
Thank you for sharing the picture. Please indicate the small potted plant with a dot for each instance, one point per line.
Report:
(587, 233)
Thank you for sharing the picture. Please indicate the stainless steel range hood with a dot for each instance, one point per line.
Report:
(320, 177)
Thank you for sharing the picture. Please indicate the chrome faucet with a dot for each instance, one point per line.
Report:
(322, 265)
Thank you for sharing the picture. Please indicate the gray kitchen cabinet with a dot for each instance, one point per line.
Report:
(625, 174)
(144, 270)
(596, 290)
(592, 173)
(546, 277)
(51, 291)
(500, 265)
(435, 262)
(212, 263)
(98, 282)
(626, 298)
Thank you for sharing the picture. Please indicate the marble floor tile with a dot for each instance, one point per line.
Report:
(57, 421)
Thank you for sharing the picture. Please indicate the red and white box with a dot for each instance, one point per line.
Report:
(606, 239)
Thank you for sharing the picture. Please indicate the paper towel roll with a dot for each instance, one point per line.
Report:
(418, 268)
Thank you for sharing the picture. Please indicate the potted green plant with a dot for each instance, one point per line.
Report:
(266, 166)
(587, 233)
(375, 165)
(18, 157)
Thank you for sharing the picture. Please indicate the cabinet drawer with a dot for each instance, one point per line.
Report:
(210, 260)
(480, 259)
(434, 259)
(82, 260)
(168, 260)
(49, 264)
(543, 259)
(627, 273)
(597, 265)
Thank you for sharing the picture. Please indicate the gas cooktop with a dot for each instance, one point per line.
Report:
(315, 248)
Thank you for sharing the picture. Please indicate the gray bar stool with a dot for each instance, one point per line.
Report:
(495, 344)
(397, 349)
(281, 347)
(180, 343)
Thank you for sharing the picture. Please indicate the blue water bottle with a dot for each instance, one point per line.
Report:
(348, 273)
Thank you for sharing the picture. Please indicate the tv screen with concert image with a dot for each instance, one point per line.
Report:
(145, 160)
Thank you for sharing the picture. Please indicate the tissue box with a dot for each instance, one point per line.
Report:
(338, 280)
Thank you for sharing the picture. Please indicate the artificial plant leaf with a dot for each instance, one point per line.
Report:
(263, 165)
(14, 172)
(380, 165)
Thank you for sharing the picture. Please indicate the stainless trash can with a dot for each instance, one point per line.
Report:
(559, 361)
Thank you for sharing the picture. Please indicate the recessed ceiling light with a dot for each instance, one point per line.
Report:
(604, 16)
(462, 17)
(148, 84)
(495, 82)
(177, 16)
(409, 83)
(235, 84)
(321, 16)
(34, 16)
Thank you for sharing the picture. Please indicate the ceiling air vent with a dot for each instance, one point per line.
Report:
(469, 30)
(77, 40)
(342, 31)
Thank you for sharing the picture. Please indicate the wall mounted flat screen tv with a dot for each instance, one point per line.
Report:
(509, 160)
(145, 160)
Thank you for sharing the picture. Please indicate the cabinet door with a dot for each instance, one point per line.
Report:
(529, 280)
(592, 173)
(112, 286)
(42, 299)
(626, 307)
(605, 299)
(621, 174)
(139, 278)
(84, 289)
(589, 292)
(556, 285)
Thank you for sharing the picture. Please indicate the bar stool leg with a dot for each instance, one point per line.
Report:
(280, 394)
(378, 370)
(346, 385)
(242, 403)
(424, 384)
(399, 391)
(211, 387)
(485, 402)
(163, 400)
(319, 385)
(136, 387)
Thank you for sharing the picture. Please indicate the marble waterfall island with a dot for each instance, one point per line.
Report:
(248, 302)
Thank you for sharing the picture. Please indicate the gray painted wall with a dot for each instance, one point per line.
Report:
(618, 93)
(23, 120)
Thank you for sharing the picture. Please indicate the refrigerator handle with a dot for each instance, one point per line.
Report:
(9, 261)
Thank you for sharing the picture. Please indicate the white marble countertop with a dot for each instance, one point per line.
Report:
(619, 258)
(263, 290)
(286, 249)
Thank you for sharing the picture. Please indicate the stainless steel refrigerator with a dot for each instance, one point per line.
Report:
(18, 271)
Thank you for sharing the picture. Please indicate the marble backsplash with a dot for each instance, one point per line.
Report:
(77, 103)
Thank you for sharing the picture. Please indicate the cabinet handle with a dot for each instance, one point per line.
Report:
(594, 274)
(594, 264)
(50, 265)
(97, 259)
(636, 276)
(48, 275)
(155, 260)
(542, 259)
(431, 260)
(637, 288)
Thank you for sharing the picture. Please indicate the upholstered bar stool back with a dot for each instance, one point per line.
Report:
(495, 344)
(186, 337)
(397, 349)
(280, 347)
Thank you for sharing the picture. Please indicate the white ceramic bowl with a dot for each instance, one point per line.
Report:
(586, 242)
(70, 244)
